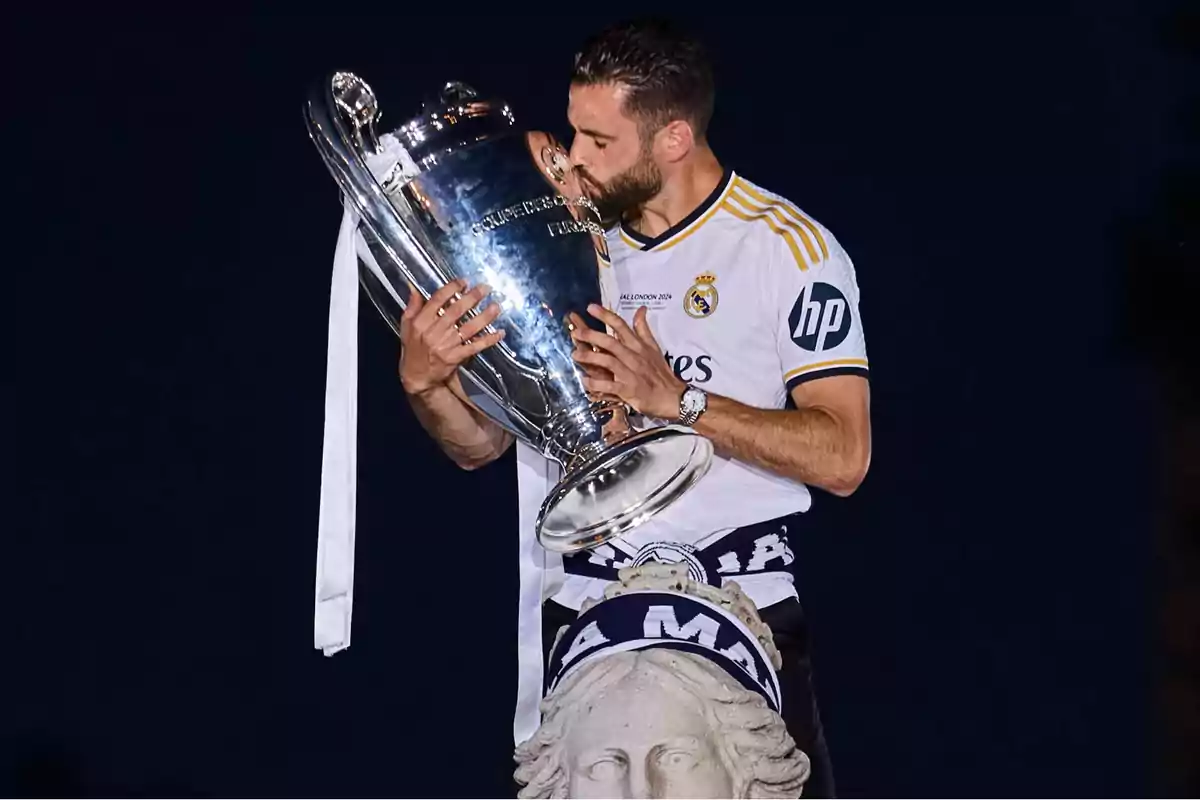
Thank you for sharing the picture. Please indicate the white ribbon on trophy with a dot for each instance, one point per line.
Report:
(334, 600)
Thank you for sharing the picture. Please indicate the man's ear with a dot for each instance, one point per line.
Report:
(676, 140)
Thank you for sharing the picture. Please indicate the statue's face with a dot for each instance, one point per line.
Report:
(644, 738)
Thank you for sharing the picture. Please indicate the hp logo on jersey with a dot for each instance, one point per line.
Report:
(820, 319)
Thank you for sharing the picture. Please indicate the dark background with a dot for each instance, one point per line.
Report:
(985, 609)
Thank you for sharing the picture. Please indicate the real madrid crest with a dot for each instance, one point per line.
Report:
(700, 301)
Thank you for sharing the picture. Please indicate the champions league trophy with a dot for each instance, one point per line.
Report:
(471, 195)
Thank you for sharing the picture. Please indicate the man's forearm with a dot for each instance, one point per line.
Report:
(465, 433)
(808, 445)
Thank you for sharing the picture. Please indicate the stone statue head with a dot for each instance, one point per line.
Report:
(687, 713)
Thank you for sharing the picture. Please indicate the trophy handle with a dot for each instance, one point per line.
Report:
(332, 133)
(342, 111)
(390, 301)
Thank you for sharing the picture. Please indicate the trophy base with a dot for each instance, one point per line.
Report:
(622, 487)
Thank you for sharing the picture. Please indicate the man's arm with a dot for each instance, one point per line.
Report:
(819, 339)
(470, 438)
(824, 442)
(433, 345)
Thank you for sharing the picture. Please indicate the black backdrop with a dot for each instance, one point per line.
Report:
(980, 607)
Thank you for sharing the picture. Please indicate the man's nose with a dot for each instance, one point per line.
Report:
(576, 154)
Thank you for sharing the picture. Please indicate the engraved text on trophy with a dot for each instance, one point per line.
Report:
(525, 208)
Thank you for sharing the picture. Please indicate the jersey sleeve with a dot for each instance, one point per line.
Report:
(819, 324)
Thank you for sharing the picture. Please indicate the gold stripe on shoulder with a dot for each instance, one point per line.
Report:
(788, 208)
(773, 212)
(739, 207)
(777, 212)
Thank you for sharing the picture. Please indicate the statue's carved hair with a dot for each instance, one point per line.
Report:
(753, 741)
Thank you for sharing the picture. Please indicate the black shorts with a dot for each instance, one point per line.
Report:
(787, 623)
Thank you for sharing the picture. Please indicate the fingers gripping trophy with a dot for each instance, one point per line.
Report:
(481, 251)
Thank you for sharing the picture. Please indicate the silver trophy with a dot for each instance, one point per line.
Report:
(477, 197)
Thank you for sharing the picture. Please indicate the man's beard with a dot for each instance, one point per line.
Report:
(625, 192)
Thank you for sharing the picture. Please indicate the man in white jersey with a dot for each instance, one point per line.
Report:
(728, 309)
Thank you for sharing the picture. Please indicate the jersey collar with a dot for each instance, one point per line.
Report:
(686, 226)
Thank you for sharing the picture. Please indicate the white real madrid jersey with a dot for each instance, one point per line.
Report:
(748, 297)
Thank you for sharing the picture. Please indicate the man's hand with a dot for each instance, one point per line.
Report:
(433, 344)
(638, 374)
(825, 441)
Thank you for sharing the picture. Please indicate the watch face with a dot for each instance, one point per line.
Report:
(693, 400)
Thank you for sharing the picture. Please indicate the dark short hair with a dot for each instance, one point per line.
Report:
(666, 70)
